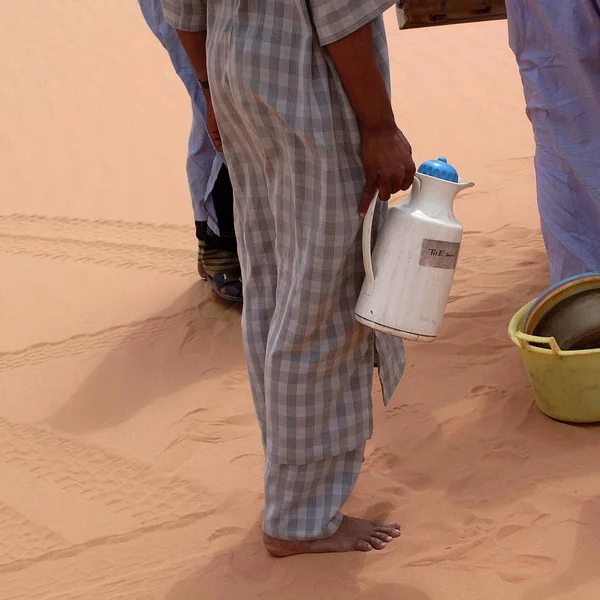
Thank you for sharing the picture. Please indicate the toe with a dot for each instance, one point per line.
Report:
(392, 529)
(383, 536)
(363, 546)
(377, 543)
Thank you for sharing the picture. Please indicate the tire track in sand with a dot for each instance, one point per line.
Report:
(161, 235)
(171, 261)
(127, 572)
(130, 494)
(158, 247)
(128, 488)
(23, 539)
(132, 334)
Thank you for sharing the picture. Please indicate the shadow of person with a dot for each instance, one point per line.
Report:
(246, 570)
(194, 338)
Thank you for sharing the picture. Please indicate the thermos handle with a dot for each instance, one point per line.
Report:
(416, 187)
(366, 246)
(368, 232)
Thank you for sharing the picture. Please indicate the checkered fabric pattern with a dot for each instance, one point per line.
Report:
(303, 501)
(293, 147)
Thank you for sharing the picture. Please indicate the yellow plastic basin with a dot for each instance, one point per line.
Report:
(566, 384)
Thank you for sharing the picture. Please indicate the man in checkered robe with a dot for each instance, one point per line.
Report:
(300, 89)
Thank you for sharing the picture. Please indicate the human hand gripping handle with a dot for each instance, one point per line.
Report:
(388, 163)
(385, 152)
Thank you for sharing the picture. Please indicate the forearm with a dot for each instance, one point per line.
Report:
(194, 44)
(356, 62)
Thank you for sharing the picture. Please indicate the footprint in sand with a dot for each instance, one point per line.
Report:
(511, 529)
(483, 390)
(418, 481)
(383, 459)
(194, 432)
(522, 567)
(498, 465)
(225, 531)
(394, 410)
(195, 427)
(517, 451)
(236, 380)
(475, 527)
(380, 511)
(487, 391)
(507, 531)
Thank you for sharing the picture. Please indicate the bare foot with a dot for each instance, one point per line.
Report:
(353, 534)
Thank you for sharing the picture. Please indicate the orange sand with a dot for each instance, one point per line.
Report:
(130, 461)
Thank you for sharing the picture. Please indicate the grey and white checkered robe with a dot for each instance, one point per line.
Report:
(293, 147)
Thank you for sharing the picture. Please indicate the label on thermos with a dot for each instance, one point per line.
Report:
(439, 255)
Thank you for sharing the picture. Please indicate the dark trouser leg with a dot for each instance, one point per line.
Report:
(223, 202)
(219, 252)
(222, 194)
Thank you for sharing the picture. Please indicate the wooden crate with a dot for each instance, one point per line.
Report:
(428, 13)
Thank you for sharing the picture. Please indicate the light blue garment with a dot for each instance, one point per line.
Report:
(203, 162)
(557, 46)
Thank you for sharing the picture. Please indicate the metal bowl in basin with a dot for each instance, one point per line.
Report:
(569, 312)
